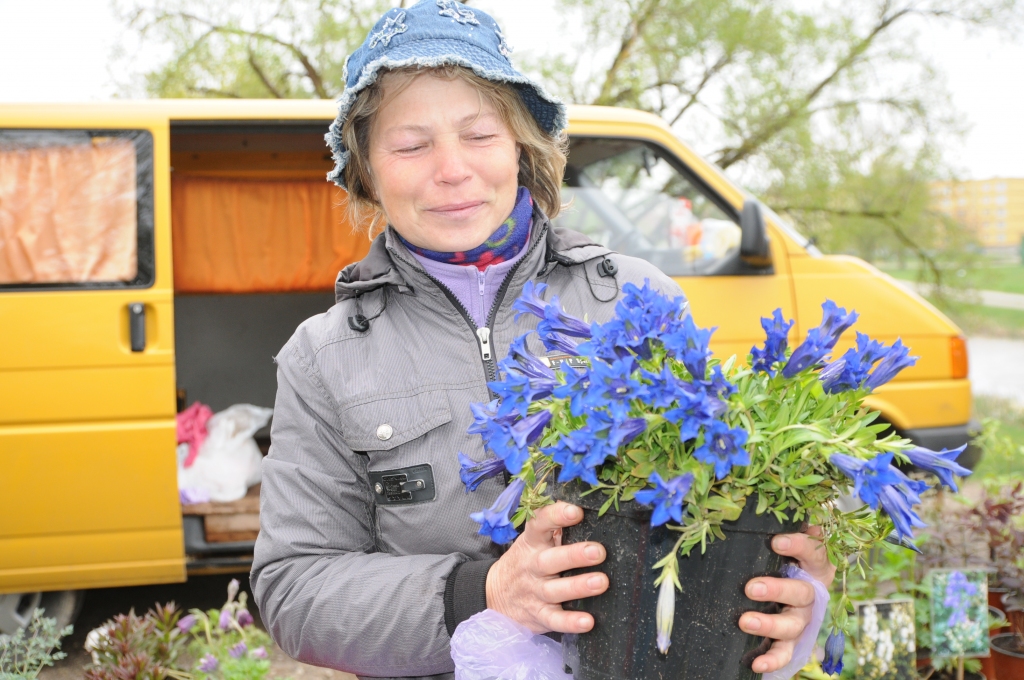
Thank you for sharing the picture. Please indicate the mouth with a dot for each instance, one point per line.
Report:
(457, 210)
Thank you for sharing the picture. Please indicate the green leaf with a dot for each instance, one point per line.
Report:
(808, 480)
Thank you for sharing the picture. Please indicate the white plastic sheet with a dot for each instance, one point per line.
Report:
(229, 461)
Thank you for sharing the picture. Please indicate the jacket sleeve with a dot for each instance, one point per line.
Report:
(326, 595)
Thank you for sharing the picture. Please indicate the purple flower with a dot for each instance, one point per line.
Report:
(244, 618)
(877, 482)
(835, 645)
(776, 329)
(239, 650)
(723, 447)
(186, 623)
(895, 361)
(473, 473)
(958, 593)
(225, 619)
(942, 463)
(496, 521)
(259, 653)
(820, 340)
(667, 498)
(208, 664)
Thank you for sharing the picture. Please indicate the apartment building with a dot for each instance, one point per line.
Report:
(992, 208)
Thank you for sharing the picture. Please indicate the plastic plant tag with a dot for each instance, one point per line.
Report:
(886, 640)
(959, 604)
(491, 646)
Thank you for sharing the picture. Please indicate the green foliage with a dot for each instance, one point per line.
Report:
(135, 647)
(225, 645)
(1001, 439)
(24, 654)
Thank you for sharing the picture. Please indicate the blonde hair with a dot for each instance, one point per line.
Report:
(542, 157)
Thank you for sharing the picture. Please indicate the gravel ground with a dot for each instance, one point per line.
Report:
(204, 592)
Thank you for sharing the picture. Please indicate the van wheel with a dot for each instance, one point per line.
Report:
(16, 608)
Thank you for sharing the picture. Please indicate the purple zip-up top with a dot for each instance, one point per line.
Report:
(477, 288)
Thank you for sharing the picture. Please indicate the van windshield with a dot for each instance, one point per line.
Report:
(628, 196)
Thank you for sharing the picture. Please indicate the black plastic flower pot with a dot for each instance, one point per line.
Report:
(707, 643)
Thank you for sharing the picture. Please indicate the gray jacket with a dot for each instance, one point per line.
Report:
(367, 558)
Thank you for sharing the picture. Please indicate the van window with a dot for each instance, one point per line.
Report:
(634, 198)
(76, 208)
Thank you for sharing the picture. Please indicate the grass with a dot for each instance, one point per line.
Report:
(1005, 278)
(1003, 438)
(981, 320)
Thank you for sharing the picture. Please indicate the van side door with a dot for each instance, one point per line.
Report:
(88, 488)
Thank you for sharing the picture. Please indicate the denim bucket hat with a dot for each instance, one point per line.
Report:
(437, 33)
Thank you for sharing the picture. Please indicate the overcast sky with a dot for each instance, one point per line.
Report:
(59, 50)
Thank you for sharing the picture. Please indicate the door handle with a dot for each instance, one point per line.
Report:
(137, 326)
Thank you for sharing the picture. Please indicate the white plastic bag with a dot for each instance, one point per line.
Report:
(491, 646)
(229, 462)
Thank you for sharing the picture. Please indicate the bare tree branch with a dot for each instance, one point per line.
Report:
(629, 41)
(263, 77)
(709, 73)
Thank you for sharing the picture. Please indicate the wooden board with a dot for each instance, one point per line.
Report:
(250, 503)
(229, 528)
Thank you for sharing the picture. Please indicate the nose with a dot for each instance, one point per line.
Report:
(452, 168)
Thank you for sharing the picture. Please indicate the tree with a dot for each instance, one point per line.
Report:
(825, 109)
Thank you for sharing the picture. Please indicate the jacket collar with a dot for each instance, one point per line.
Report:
(389, 262)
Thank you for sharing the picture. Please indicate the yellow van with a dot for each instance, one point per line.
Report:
(158, 253)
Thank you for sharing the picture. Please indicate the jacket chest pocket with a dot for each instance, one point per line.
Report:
(402, 436)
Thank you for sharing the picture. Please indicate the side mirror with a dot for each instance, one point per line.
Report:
(754, 246)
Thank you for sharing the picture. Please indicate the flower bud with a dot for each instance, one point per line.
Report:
(225, 619)
(244, 618)
(232, 589)
(665, 613)
(186, 623)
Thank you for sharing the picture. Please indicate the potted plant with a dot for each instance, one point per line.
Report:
(670, 451)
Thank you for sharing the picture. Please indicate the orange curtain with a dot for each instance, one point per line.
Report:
(247, 236)
(68, 213)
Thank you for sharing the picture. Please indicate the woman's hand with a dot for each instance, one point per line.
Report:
(798, 596)
(524, 584)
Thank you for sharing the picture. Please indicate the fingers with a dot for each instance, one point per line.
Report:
(561, 621)
(782, 590)
(809, 550)
(775, 658)
(785, 626)
(563, 558)
(559, 590)
(539, 531)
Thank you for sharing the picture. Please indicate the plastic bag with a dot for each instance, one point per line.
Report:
(229, 462)
(491, 646)
(805, 643)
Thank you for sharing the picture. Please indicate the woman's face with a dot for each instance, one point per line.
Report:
(445, 167)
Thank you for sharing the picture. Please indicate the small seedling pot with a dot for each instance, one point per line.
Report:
(707, 643)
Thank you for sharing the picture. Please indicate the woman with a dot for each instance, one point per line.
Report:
(367, 559)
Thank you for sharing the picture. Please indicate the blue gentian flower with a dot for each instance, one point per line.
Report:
(820, 340)
(942, 464)
(521, 359)
(517, 391)
(531, 300)
(557, 322)
(723, 447)
(664, 389)
(496, 521)
(693, 410)
(579, 452)
(718, 385)
(877, 482)
(570, 454)
(612, 386)
(530, 428)
(776, 329)
(690, 345)
(895, 361)
(575, 390)
(667, 497)
(208, 664)
(473, 473)
(496, 432)
(850, 372)
(835, 645)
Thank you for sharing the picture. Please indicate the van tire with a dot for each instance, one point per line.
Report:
(16, 608)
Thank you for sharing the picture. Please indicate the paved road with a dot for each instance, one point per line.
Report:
(986, 298)
(997, 367)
